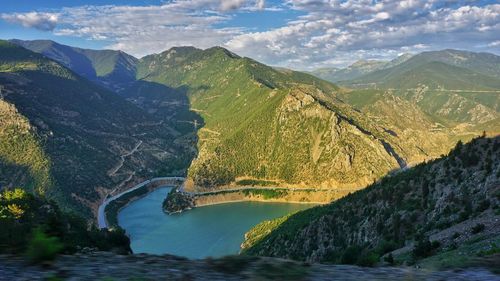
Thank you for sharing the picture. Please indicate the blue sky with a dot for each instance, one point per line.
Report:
(300, 34)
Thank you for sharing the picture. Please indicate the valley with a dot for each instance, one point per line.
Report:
(107, 136)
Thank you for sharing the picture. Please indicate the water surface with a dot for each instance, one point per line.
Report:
(213, 231)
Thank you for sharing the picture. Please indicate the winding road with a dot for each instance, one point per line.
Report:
(101, 214)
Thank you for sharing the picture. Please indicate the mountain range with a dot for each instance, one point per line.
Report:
(104, 120)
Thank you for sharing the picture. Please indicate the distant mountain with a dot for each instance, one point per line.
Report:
(72, 140)
(113, 69)
(279, 126)
(456, 88)
(448, 69)
(357, 69)
(448, 207)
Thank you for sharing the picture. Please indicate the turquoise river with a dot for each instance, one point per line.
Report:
(210, 231)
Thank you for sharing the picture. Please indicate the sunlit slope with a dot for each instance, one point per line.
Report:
(456, 89)
(22, 158)
(277, 125)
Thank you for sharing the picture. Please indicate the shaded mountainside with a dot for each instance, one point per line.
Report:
(93, 139)
(113, 69)
(280, 126)
(429, 209)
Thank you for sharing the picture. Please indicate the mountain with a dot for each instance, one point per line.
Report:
(281, 127)
(468, 66)
(72, 140)
(357, 69)
(455, 88)
(447, 207)
(113, 69)
(234, 121)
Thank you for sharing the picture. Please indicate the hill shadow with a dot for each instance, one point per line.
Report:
(171, 107)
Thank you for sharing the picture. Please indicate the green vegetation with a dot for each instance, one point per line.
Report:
(252, 182)
(278, 126)
(22, 158)
(410, 205)
(266, 193)
(177, 201)
(42, 247)
(30, 224)
(64, 136)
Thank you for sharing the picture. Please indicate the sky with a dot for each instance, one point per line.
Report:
(298, 34)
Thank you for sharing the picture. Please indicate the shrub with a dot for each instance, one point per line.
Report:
(42, 247)
(424, 248)
(367, 259)
(477, 228)
(389, 259)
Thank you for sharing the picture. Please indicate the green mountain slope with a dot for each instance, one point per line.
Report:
(434, 75)
(456, 89)
(430, 209)
(94, 140)
(281, 126)
(450, 69)
(22, 158)
(113, 69)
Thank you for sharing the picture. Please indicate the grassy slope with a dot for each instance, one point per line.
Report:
(454, 192)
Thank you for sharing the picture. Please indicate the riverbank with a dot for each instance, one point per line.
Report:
(109, 208)
(188, 200)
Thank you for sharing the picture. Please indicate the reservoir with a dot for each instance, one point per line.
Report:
(210, 231)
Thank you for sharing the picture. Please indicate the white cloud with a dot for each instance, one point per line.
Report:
(494, 44)
(41, 21)
(226, 5)
(327, 32)
(331, 31)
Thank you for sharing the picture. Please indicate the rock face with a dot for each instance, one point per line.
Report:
(101, 265)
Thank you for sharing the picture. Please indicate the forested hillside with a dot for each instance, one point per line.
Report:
(241, 122)
(279, 126)
(433, 208)
(77, 140)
